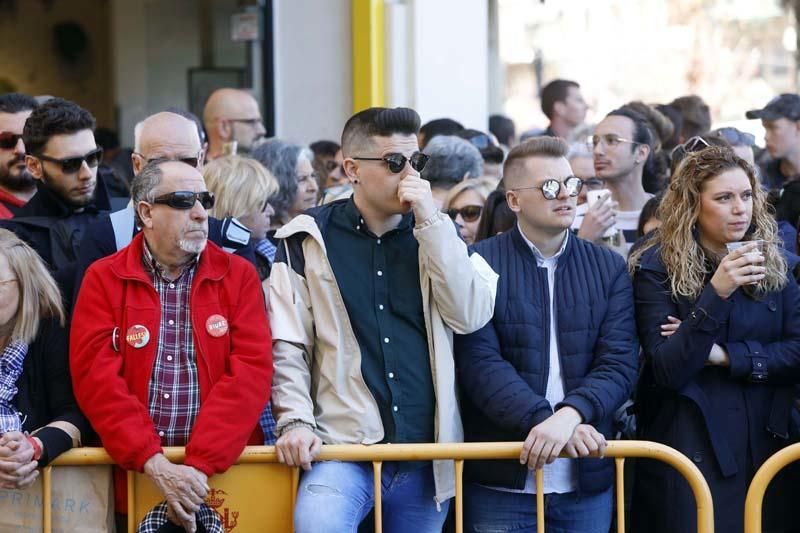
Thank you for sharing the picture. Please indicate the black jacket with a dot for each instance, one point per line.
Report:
(503, 367)
(726, 420)
(45, 391)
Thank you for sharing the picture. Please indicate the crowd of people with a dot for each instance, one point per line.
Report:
(408, 283)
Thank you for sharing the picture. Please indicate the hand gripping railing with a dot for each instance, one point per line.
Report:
(379, 453)
(758, 487)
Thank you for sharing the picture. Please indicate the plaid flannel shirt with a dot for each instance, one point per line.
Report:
(174, 389)
(156, 518)
(11, 361)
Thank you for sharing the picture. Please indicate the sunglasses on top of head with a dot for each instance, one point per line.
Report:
(397, 162)
(8, 140)
(70, 165)
(185, 199)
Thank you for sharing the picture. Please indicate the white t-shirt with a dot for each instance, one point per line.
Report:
(562, 475)
(627, 222)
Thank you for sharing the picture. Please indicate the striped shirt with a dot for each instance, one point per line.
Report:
(11, 361)
(174, 390)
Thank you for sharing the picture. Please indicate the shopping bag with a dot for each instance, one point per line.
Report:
(82, 502)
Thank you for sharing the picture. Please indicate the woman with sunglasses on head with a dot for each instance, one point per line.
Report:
(720, 332)
(39, 418)
(464, 204)
(290, 164)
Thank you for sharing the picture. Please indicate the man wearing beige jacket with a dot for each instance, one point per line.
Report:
(366, 294)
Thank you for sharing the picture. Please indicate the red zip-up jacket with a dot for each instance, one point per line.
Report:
(111, 376)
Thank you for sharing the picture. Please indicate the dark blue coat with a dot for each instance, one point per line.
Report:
(503, 367)
(727, 420)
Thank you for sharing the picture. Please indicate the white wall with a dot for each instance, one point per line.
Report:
(450, 60)
(313, 69)
(154, 43)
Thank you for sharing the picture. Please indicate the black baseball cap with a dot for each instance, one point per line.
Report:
(786, 105)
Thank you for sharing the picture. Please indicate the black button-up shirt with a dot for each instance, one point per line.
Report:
(379, 281)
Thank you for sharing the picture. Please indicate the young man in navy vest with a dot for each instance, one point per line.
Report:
(557, 359)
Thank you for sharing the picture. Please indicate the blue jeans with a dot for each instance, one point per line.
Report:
(335, 496)
(492, 511)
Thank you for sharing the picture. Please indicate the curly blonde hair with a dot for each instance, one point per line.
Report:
(688, 264)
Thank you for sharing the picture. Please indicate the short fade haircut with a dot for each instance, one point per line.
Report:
(377, 122)
(17, 103)
(55, 117)
(144, 184)
(555, 91)
(439, 126)
(451, 159)
(544, 147)
(695, 114)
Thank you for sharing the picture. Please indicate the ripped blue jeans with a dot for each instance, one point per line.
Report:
(336, 496)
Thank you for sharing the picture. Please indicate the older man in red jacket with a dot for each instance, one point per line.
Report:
(170, 344)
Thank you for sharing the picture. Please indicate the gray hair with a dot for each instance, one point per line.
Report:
(280, 158)
(451, 160)
(144, 184)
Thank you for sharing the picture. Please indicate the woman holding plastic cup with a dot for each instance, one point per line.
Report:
(720, 333)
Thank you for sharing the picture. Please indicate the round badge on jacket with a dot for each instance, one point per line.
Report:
(217, 325)
(137, 336)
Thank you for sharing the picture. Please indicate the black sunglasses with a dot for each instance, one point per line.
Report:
(551, 188)
(186, 199)
(469, 213)
(70, 165)
(8, 140)
(191, 161)
(397, 162)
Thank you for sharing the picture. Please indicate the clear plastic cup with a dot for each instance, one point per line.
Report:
(758, 251)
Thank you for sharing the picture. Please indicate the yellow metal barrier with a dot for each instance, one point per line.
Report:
(758, 487)
(142, 496)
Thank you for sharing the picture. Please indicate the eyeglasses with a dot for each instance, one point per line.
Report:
(551, 188)
(8, 140)
(186, 199)
(397, 162)
(191, 161)
(469, 213)
(694, 144)
(609, 140)
(249, 121)
(594, 184)
(70, 165)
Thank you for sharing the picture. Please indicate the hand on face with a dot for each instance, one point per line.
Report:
(415, 193)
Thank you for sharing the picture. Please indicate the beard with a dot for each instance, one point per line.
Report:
(63, 192)
(15, 179)
(194, 246)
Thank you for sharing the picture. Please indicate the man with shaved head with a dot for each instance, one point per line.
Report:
(166, 135)
(233, 122)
